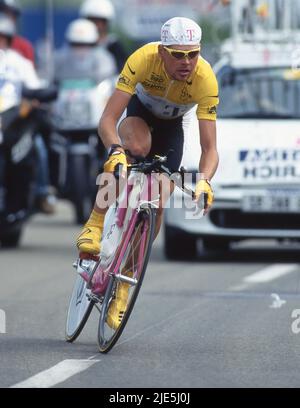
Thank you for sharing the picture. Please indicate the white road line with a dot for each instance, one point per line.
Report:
(270, 273)
(56, 374)
(267, 274)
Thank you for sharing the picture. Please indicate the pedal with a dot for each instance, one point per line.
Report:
(85, 267)
(95, 298)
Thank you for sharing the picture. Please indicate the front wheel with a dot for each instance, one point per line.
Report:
(133, 265)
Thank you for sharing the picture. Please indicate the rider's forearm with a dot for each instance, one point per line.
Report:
(208, 163)
(107, 131)
(209, 159)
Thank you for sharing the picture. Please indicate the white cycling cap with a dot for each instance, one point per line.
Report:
(82, 31)
(180, 31)
(97, 9)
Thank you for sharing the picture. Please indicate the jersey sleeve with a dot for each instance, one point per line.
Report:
(133, 72)
(208, 102)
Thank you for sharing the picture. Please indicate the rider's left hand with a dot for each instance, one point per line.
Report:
(203, 187)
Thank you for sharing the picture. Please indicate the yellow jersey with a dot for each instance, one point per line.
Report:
(144, 74)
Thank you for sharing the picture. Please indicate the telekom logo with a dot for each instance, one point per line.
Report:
(164, 35)
(190, 33)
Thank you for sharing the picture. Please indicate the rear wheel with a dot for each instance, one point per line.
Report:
(134, 264)
(80, 308)
(179, 244)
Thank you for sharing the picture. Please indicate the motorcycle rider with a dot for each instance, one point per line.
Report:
(14, 66)
(20, 44)
(45, 201)
(101, 13)
(81, 57)
(85, 74)
(15, 69)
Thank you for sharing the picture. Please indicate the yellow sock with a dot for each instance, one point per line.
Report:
(96, 219)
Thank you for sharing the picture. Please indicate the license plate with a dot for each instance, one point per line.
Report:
(284, 202)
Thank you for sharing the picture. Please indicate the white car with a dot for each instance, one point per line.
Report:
(257, 189)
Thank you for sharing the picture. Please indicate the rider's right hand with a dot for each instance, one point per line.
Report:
(117, 157)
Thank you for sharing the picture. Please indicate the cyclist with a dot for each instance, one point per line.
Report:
(101, 13)
(159, 84)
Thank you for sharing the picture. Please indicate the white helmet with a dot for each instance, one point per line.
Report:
(82, 31)
(97, 9)
(11, 5)
(7, 27)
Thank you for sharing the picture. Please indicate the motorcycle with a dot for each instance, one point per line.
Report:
(18, 127)
(77, 154)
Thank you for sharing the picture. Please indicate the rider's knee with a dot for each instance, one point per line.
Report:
(138, 150)
(136, 136)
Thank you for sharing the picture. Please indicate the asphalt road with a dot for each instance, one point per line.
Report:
(227, 320)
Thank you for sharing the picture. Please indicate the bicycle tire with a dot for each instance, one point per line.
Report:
(79, 310)
(106, 346)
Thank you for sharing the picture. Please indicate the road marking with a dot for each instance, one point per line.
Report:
(270, 273)
(267, 274)
(56, 374)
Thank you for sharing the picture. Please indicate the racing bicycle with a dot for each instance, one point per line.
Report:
(126, 244)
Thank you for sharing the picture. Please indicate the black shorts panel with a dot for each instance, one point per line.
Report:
(166, 134)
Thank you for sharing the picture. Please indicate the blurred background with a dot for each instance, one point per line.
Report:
(136, 21)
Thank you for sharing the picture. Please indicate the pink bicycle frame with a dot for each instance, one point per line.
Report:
(101, 275)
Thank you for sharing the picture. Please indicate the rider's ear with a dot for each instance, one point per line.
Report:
(160, 50)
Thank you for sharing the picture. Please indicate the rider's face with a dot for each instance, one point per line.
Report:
(101, 24)
(178, 69)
